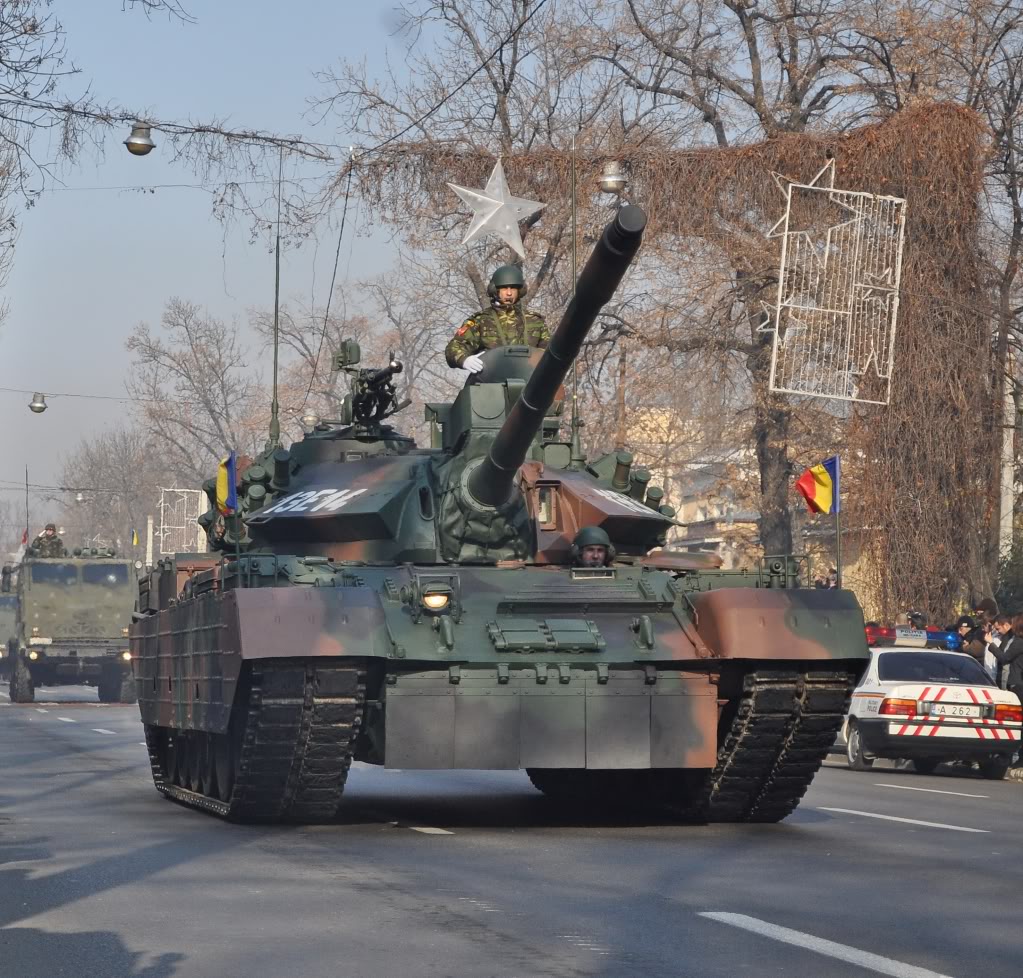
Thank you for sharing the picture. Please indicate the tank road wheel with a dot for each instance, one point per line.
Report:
(223, 758)
(22, 689)
(854, 756)
(172, 758)
(194, 767)
(204, 780)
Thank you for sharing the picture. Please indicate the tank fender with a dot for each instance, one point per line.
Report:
(781, 624)
(310, 621)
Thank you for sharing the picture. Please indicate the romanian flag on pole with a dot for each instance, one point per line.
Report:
(227, 489)
(819, 486)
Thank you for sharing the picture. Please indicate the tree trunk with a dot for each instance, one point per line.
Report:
(771, 435)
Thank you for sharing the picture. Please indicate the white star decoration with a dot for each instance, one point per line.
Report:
(494, 209)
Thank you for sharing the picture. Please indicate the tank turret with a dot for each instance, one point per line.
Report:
(490, 483)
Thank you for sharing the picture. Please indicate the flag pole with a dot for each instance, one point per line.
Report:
(838, 521)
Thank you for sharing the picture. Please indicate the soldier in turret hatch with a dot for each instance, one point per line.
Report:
(506, 323)
(592, 548)
(47, 544)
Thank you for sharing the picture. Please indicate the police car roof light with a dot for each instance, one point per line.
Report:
(914, 637)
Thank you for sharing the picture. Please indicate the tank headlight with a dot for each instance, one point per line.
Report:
(126, 656)
(35, 629)
(124, 631)
(33, 655)
(436, 599)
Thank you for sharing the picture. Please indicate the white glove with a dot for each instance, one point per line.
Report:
(473, 363)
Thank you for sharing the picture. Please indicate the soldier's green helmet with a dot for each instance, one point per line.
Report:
(592, 536)
(507, 275)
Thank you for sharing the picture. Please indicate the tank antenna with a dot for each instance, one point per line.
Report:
(576, 448)
(577, 459)
(274, 440)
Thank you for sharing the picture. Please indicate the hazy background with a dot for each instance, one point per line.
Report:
(91, 263)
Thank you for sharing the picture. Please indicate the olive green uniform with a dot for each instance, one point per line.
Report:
(44, 546)
(501, 326)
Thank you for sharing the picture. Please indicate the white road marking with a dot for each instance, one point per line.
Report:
(39, 710)
(101, 730)
(852, 955)
(67, 719)
(428, 830)
(142, 743)
(933, 791)
(908, 821)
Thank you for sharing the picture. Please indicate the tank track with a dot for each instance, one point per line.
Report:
(293, 732)
(779, 733)
(782, 730)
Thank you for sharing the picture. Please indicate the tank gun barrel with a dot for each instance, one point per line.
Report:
(490, 483)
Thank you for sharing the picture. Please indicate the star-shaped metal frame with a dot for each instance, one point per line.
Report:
(496, 211)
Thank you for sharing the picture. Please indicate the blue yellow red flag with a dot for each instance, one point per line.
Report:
(227, 488)
(819, 486)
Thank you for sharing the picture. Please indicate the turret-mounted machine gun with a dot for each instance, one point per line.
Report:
(373, 396)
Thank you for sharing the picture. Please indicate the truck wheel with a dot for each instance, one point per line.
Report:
(22, 689)
(854, 756)
(109, 686)
(127, 692)
(925, 765)
(995, 768)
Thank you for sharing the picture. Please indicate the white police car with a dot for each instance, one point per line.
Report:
(921, 701)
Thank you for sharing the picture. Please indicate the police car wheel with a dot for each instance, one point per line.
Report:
(854, 755)
(994, 768)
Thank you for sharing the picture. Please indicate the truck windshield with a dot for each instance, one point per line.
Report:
(109, 575)
(931, 667)
(60, 574)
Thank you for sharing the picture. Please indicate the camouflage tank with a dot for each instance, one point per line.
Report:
(422, 609)
(72, 626)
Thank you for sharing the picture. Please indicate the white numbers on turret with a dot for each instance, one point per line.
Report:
(313, 501)
(626, 501)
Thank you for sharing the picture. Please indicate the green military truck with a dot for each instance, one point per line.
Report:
(72, 626)
(8, 617)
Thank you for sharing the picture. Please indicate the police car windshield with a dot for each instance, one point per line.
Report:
(110, 575)
(54, 574)
(930, 667)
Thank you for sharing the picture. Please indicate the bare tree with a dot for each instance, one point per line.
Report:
(118, 474)
(199, 395)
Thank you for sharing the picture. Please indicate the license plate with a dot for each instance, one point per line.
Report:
(955, 710)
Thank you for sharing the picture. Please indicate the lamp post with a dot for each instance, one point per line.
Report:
(139, 142)
(613, 179)
(38, 403)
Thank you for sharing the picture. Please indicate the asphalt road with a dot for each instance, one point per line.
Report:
(476, 874)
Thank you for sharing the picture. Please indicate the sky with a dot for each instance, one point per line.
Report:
(92, 263)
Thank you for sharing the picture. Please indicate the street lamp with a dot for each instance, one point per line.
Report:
(38, 403)
(139, 143)
(613, 179)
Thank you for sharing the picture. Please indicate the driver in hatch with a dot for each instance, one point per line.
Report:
(592, 548)
(505, 323)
